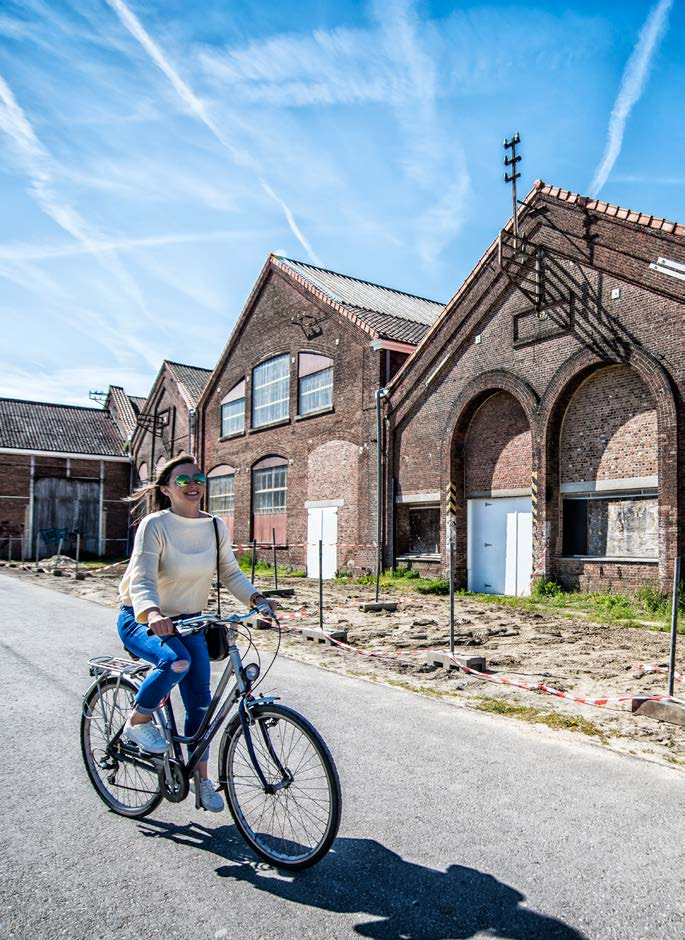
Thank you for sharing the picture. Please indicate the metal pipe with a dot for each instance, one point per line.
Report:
(273, 544)
(191, 416)
(254, 558)
(32, 485)
(451, 549)
(674, 624)
(320, 584)
(101, 511)
(380, 393)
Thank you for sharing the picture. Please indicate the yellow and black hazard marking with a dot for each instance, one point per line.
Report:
(534, 509)
(451, 500)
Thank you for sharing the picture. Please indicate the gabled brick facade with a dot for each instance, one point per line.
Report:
(330, 455)
(584, 394)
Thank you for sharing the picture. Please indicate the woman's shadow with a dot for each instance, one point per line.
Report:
(361, 876)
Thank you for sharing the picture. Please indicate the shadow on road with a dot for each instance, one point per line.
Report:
(360, 876)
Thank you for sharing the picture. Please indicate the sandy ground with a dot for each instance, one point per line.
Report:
(571, 655)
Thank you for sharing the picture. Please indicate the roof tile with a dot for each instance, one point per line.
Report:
(392, 314)
(192, 378)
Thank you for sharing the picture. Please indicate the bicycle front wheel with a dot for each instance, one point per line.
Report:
(293, 825)
(128, 785)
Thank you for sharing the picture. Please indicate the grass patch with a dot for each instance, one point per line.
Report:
(423, 689)
(541, 716)
(264, 569)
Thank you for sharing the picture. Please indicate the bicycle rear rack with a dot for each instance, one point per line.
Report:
(115, 665)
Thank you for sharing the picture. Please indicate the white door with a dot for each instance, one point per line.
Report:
(322, 524)
(500, 545)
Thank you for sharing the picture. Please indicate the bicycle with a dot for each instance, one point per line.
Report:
(280, 781)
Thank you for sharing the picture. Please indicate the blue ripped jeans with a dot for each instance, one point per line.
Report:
(193, 682)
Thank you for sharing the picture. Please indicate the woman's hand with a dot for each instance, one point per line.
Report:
(258, 600)
(159, 624)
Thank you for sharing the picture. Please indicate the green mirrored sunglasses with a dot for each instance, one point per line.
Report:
(183, 479)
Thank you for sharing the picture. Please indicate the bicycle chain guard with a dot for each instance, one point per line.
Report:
(172, 780)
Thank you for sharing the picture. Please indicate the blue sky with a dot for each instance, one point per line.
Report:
(153, 153)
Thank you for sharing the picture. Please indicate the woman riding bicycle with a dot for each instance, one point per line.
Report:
(169, 576)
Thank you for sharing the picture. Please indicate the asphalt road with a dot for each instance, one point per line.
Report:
(455, 824)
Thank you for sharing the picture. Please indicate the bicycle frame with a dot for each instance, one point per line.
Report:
(211, 723)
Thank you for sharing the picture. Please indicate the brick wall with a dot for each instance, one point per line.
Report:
(497, 447)
(330, 455)
(164, 396)
(609, 430)
(15, 488)
(611, 309)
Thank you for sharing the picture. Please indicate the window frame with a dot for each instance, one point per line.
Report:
(222, 511)
(271, 509)
(257, 405)
(329, 368)
(606, 497)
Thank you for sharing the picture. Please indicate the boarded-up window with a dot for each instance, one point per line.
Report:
(621, 526)
(424, 530)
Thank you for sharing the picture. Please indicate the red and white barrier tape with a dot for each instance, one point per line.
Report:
(264, 546)
(652, 667)
(107, 567)
(500, 680)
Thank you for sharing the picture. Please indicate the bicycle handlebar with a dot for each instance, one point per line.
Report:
(202, 621)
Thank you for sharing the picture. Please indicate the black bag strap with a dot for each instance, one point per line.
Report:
(218, 579)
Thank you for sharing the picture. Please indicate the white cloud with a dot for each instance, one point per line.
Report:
(632, 85)
(199, 109)
(70, 386)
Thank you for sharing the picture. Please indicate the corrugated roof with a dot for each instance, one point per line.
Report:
(392, 314)
(124, 408)
(36, 425)
(192, 378)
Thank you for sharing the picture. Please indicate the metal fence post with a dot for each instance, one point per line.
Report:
(273, 543)
(9, 555)
(320, 584)
(674, 624)
(451, 532)
(78, 551)
(254, 558)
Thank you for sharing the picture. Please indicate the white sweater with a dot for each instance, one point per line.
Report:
(173, 563)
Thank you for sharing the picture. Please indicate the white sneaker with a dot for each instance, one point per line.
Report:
(147, 737)
(211, 800)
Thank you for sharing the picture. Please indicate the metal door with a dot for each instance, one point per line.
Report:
(322, 524)
(499, 545)
(69, 504)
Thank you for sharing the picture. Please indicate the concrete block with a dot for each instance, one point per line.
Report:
(78, 576)
(435, 658)
(662, 711)
(316, 636)
(381, 605)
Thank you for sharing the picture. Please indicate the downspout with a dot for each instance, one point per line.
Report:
(380, 393)
(32, 484)
(101, 509)
(191, 422)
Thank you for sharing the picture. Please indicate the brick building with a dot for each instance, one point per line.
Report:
(550, 392)
(64, 469)
(288, 417)
(125, 410)
(166, 425)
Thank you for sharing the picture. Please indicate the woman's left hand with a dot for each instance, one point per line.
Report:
(258, 600)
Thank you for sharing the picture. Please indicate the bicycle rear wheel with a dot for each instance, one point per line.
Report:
(129, 786)
(294, 826)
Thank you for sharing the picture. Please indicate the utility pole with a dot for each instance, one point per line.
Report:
(512, 161)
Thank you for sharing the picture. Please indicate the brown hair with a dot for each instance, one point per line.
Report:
(149, 497)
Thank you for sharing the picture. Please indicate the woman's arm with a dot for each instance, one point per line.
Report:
(142, 571)
(232, 577)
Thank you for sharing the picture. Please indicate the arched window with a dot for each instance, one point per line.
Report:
(233, 411)
(221, 490)
(143, 473)
(270, 500)
(315, 383)
(271, 391)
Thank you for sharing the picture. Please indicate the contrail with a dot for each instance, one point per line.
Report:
(197, 107)
(39, 168)
(632, 86)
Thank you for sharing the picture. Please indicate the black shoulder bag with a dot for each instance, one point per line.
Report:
(217, 641)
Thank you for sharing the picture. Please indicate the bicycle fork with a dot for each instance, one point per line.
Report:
(247, 721)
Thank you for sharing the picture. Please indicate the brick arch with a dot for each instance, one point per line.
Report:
(553, 406)
(473, 395)
(454, 434)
